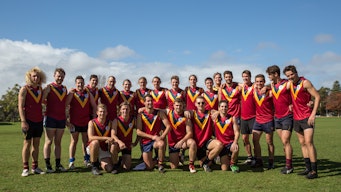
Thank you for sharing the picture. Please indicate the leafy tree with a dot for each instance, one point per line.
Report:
(324, 93)
(336, 87)
(9, 104)
(334, 102)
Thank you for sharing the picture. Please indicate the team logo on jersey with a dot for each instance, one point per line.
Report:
(149, 122)
(100, 129)
(110, 97)
(61, 93)
(172, 96)
(276, 90)
(229, 93)
(175, 121)
(201, 121)
(192, 94)
(82, 99)
(156, 96)
(211, 100)
(123, 128)
(36, 95)
(296, 89)
(141, 96)
(223, 125)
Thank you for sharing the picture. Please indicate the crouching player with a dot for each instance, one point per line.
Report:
(227, 131)
(180, 135)
(101, 146)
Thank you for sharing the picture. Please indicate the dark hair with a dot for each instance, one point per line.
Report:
(247, 72)
(273, 70)
(228, 72)
(79, 77)
(291, 68)
(93, 76)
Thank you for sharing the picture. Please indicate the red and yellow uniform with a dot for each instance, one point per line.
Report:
(178, 128)
(102, 131)
(131, 99)
(248, 107)
(300, 97)
(211, 100)
(264, 107)
(191, 95)
(202, 127)
(111, 98)
(94, 92)
(223, 128)
(281, 99)
(159, 98)
(232, 95)
(80, 108)
(172, 95)
(151, 124)
(55, 105)
(33, 108)
(125, 130)
(140, 94)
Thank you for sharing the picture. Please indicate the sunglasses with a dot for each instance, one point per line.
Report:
(200, 103)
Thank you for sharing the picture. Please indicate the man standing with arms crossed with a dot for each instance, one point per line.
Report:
(304, 117)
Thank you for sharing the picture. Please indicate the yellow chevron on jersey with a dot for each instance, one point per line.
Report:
(106, 133)
(110, 98)
(295, 90)
(174, 121)
(36, 98)
(209, 100)
(123, 96)
(259, 98)
(172, 97)
(277, 91)
(229, 95)
(59, 95)
(80, 101)
(157, 96)
(140, 96)
(96, 93)
(223, 125)
(201, 122)
(245, 93)
(125, 130)
(192, 96)
(149, 122)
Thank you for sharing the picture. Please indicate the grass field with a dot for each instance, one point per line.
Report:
(327, 141)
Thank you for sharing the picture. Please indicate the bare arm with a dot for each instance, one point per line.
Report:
(165, 121)
(234, 146)
(189, 134)
(91, 133)
(21, 108)
(311, 89)
(139, 131)
(114, 135)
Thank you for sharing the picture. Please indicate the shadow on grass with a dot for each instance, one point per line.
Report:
(5, 123)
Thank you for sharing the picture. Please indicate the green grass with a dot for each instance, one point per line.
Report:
(326, 140)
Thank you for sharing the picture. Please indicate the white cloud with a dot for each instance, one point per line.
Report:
(266, 45)
(324, 38)
(117, 53)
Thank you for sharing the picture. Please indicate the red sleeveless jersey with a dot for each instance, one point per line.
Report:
(232, 95)
(33, 100)
(172, 95)
(125, 130)
(211, 100)
(281, 99)
(248, 107)
(300, 98)
(55, 106)
(178, 128)
(102, 131)
(264, 107)
(223, 128)
(191, 95)
(94, 92)
(151, 124)
(202, 127)
(131, 99)
(111, 98)
(80, 108)
(159, 98)
(140, 94)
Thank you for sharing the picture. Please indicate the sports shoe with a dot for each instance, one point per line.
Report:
(192, 169)
(87, 163)
(25, 173)
(271, 166)
(234, 168)
(249, 160)
(114, 171)
(60, 168)
(311, 175)
(161, 169)
(95, 171)
(287, 170)
(181, 159)
(216, 160)
(305, 172)
(49, 169)
(206, 168)
(256, 164)
(72, 165)
(37, 171)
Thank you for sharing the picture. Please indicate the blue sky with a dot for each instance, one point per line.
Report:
(129, 39)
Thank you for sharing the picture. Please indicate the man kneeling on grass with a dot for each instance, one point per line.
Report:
(102, 148)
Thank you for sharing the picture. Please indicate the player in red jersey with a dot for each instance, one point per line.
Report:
(123, 127)
(283, 114)
(30, 112)
(92, 87)
(128, 96)
(141, 92)
(264, 122)
(54, 96)
(207, 148)
(217, 81)
(111, 97)
(227, 132)
(80, 103)
(149, 128)
(192, 92)
(248, 113)
(304, 117)
(174, 92)
(158, 94)
(210, 95)
(180, 135)
(101, 145)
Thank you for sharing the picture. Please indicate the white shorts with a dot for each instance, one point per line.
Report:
(101, 154)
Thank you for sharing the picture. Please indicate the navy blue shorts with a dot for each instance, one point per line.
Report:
(126, 151)
(284, 123)
(81, 129)
(50, 122)
(148, 147)
(266, 127)
(246, 126)
(226, 150)
(173, 150)
(201, 152)
(35, 130)
(301, 125)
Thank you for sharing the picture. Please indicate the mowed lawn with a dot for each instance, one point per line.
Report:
(327, 141)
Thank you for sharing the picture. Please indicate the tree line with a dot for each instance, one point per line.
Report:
(330, 104)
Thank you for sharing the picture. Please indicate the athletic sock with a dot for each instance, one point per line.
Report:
(314, 166)
(26, 165)
(34, 164)
(95, 164)
(191, 162)
(57, 162)
(207, 160)
(47, 162)
(72, 160)
(288, 163)
(86, 157)
(307, 164)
